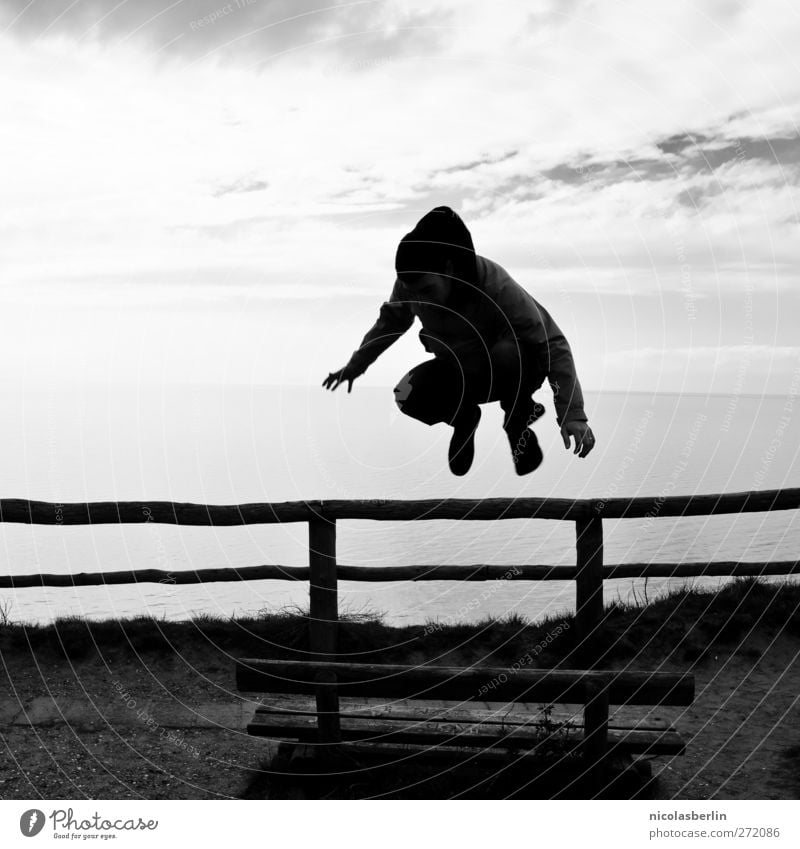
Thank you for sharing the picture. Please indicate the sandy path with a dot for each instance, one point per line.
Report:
(743, 730)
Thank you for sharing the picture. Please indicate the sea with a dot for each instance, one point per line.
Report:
(233, 444)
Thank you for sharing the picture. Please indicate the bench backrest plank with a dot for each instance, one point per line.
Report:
(473, 683)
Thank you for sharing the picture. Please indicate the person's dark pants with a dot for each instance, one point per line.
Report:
(449, 387)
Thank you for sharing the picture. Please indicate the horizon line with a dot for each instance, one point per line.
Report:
(137, 385)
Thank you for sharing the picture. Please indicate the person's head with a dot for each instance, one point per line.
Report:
(436, 260)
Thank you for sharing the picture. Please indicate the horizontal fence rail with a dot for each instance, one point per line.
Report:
(227, 515)
(323, 572)
(389, 574)
(327, 512)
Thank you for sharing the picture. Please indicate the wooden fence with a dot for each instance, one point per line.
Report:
(323, 571)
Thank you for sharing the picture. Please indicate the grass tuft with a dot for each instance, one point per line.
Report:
(684, 624)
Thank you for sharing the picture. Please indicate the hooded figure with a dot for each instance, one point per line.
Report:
(491, 341)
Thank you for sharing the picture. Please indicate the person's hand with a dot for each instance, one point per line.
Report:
(348, 373)
(582, 433)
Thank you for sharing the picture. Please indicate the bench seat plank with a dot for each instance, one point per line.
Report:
(471, 712)
(460, 728)
(490, 712)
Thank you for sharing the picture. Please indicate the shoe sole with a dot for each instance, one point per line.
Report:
(460, 460)
(526, 468)
(526, 453)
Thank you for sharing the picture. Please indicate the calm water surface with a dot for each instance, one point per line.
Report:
(235, 444)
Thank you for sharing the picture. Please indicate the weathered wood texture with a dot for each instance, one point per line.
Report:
(219, 515)
(698, 505)
(717, 568)
(525, 734)
(459, 684)
(323, 621)
(444, 757)
(324, 605)
(588, 588)
(501, 714)
(595, 721)
(375, 574)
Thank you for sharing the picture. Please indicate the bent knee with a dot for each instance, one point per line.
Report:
(506, 352)
(402, 391)
(421, 399)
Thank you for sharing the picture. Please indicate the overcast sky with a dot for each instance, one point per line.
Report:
(196, 190)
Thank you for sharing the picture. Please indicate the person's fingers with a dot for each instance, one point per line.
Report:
(584, 440)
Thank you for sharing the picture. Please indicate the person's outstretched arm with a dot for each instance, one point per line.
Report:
(528, 320)
(567, 394)
(394, 319)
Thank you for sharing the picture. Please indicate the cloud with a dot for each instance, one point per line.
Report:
(637, 150)
(242, 186)
(238, 31)
(477, 163)
(679, 142)
(683, 157)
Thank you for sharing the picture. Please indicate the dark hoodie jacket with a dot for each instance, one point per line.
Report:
(497, 308)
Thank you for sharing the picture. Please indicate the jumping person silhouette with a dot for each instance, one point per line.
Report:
(490, 339)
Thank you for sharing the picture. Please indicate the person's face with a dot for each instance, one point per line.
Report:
(433, 288)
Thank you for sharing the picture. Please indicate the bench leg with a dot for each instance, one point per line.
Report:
(595, 723)
(328, 726)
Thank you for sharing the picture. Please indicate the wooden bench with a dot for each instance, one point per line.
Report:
(484, 709)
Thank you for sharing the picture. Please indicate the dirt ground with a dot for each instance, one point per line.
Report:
(743, 729)
(125, 727)
(172, 727)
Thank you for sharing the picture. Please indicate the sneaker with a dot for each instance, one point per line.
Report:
(532, 414)
(461, 452)
(525, 450)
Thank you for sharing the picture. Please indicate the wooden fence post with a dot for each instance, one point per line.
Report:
(588, 589)
(323, 621)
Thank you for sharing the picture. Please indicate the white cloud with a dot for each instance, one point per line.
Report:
(119, 160)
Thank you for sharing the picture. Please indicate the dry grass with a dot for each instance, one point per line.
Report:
(682, 625)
